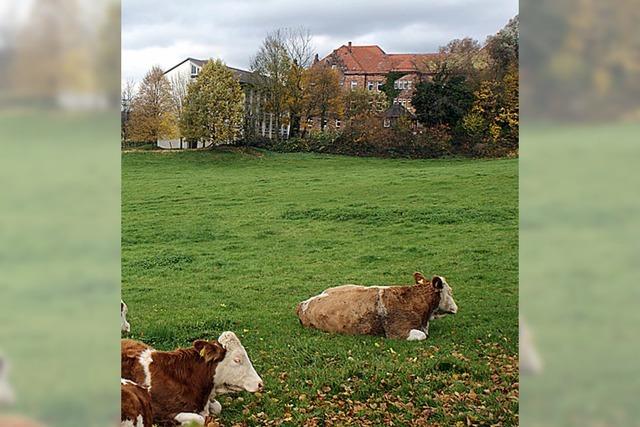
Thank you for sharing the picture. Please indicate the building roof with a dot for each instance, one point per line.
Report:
(243, 76)
(373, 60)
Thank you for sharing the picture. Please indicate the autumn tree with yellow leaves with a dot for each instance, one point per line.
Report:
(152, 115)
(213, 110)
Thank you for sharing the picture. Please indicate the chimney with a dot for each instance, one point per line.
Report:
(316, 59)
(349, 46)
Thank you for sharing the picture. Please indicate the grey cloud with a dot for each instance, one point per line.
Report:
(239, 26)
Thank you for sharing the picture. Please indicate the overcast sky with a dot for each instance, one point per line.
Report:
(166, 32)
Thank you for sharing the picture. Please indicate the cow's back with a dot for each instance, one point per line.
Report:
(348, 309)
(130, 367)
(135, 405)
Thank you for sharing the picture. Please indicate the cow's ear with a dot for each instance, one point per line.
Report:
(200, 345)
(210, 352)
(420, 279)
(215, 352)
(437, 282)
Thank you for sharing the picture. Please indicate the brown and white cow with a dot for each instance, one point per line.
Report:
(135, 405)
(183, 383)
(393, 311)
(124, 325)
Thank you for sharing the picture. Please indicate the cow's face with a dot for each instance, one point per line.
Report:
(6, 393)
(124, 325)
(235, 372)
(447, 303)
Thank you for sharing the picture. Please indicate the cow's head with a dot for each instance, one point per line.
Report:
(235, 372)
(6, 392)
(124, 325)
(447, 304)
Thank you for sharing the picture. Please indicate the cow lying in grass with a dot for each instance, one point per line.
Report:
(135, 405)
(184, 382)
(393, 311)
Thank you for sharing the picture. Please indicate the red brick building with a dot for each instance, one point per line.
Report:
(367, 67)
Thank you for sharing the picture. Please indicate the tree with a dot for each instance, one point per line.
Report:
(128, 93)
(213, 110)
(442, 101)
(152, 114)
(272, 70)
(54, 38)
(388, 88)
(108, 52)
(494, 116)
(297, 42)
(503, 48)
(362, 102)
(322, 94)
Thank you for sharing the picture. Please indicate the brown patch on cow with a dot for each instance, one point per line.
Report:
(135, 401)
(408, 307)
(392, 311)
(181, 380)
(130, 367)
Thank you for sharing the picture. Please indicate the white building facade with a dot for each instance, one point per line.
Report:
(258, 123)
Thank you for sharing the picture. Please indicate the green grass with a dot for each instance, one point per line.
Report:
(60, 264)
(579, 270)
(215, 241)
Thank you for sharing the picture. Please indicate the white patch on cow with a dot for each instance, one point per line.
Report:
(124, 325)
(212, 407)
(127, 423)
(416, 335)
(215, 408)
(188, 417)
(139, 421)
(380, 307)
(145, 360)
(235, 372)
(305, 303)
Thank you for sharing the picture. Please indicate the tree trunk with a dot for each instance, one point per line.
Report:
(295, 125)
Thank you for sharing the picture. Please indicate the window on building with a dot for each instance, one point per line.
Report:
(354, 84)
(370, 85)
(379, 86)
(338, 123)
(387, 123)
(194, 70)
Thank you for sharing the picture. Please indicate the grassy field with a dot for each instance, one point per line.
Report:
(215, 241)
